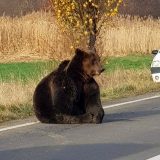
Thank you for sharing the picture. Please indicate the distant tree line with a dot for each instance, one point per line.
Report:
(132, 7)
(141, 8)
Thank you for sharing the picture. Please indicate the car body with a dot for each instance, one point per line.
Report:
(155, 66)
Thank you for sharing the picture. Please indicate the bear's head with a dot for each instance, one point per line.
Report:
(86, 63)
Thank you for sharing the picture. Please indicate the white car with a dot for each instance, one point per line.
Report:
(155, 66)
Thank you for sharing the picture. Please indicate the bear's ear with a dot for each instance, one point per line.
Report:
(80, 52)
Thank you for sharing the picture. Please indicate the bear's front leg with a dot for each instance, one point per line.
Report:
(93, 104)
(95, 110)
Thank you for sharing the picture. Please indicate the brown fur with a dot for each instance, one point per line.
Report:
(70, 94)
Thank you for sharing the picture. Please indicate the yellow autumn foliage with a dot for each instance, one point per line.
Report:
(80, 16)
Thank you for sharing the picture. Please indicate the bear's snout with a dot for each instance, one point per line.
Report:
(102, 70)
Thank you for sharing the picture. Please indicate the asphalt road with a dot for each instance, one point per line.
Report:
(128, 132)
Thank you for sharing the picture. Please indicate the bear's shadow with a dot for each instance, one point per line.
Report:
(129, 116)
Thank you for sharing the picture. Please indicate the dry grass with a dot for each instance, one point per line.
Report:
(130, 35)
(16, 100)
(123, 83)
(31, 37)
(16, 93)
(36, 36)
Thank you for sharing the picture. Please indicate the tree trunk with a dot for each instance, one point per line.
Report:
(92, 42)
(93, 37)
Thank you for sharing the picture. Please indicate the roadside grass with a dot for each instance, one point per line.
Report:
(128, 62)
(127, 76)
(28, 71)
(124, 76)
(16, 100)
(24, 71)
(126, 83)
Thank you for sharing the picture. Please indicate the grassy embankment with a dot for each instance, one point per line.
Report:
(124, 76)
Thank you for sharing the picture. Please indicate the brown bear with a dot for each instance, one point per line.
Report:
(70, 94)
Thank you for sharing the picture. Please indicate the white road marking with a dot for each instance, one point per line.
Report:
(130, 102)
(18, 126)
(154, 158)
(105, 107)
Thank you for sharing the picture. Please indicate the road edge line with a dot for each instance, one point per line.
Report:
(130, 102)
(154, 158)
(18, 126)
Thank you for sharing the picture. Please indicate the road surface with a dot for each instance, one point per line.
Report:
(129, 132)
